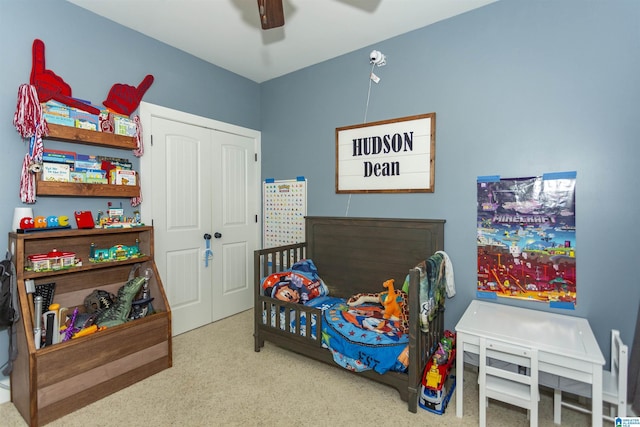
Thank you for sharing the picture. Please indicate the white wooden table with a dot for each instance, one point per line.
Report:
(566, 344)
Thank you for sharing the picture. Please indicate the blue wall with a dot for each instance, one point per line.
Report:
(519, 87)
(92, 54)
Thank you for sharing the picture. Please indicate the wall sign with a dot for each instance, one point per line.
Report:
(390, 156)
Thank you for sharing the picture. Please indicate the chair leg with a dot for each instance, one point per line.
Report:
(622, 409)
(533, 414)
(557, 406)
(482, 408)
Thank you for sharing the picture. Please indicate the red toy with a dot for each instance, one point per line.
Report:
(124, 99)
(26, 223)
(84, 219)
(51, 86)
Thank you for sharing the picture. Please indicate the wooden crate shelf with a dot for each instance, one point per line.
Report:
(50, 382)
(87, 137)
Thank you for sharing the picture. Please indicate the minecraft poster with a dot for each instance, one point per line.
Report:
(527, 238)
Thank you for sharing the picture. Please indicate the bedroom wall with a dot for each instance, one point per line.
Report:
(92, 54)
(520, 88)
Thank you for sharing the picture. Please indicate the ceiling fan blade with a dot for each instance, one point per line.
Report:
(271, 13)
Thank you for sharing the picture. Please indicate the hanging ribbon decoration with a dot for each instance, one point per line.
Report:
(29, 122)
(138, 152)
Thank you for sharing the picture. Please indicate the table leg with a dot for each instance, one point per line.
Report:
(596, 394)
(459, 375)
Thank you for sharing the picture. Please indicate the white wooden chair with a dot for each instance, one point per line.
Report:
(508, 373)
(614, 385)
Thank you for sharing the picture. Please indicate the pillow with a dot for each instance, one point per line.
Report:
(299, 284)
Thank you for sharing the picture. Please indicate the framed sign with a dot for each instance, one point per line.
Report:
(390, 156)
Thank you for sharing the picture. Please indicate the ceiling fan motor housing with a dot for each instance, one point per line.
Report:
(271, 13)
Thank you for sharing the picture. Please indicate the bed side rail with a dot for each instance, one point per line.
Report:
(287, 322)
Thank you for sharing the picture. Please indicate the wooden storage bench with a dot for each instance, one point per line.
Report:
(53, 381)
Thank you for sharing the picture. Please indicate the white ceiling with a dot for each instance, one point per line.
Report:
(227, 33)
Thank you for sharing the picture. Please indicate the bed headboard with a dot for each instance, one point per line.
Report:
(359, 254)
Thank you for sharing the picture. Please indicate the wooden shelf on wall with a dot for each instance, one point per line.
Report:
(80, 189)
(87, 137)
(90, 137)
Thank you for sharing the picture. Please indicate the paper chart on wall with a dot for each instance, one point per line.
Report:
(284, 209)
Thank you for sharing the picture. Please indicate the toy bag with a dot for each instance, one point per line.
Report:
(9, 313)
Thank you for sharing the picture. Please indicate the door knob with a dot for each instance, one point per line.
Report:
(217, 235)
(207, 236)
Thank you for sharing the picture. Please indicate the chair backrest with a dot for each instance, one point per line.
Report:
(509, 373)
(619, 364)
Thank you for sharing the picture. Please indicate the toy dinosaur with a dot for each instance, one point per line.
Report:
(395, 303)
(390, 303)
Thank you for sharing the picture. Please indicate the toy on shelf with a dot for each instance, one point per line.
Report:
(52, 261)
(84, 219)
(115, 218)
(114, 253)
(42, 223)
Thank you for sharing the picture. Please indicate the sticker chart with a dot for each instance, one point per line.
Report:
(285, 206)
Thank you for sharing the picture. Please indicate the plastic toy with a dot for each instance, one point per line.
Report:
(115, 218)
(54, 260)
(434, 378)
(438, 382)
(26, 223)
(84, 219)
(88, 331)
(114, 253)
(70, 330)
(41, 222)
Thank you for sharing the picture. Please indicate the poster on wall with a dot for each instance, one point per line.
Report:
(284, 209)
(526, 238)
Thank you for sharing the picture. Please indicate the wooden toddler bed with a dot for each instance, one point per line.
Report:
(352, 256)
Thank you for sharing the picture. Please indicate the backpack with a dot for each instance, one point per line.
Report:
(9, 313)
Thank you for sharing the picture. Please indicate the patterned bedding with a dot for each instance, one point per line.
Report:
(358, 336)
(361, 339)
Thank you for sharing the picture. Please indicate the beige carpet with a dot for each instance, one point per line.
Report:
(217, 379)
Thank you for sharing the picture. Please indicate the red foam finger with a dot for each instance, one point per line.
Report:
(124, 99)
(38, 57)
(144, 85)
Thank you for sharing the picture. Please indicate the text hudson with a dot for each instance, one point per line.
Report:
(385, 144)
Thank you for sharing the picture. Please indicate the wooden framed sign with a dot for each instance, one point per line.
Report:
(390, 156)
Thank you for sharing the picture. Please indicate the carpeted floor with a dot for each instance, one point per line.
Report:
(217, 379)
